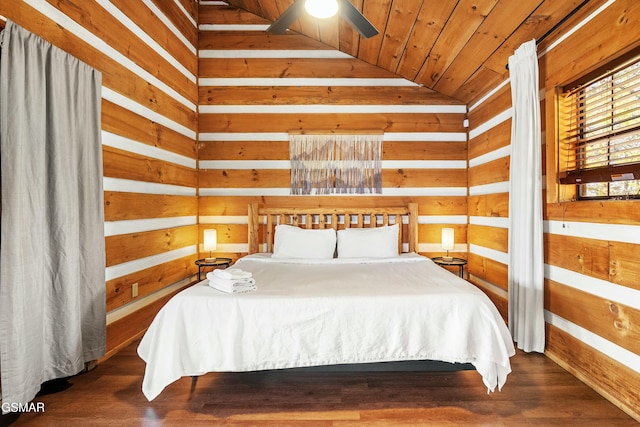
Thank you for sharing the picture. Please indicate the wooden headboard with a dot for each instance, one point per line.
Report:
(327, 217)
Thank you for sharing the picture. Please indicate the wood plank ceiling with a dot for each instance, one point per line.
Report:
(459, 48)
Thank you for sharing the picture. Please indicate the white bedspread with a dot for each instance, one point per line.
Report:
(327, 312)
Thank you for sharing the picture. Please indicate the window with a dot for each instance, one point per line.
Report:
(601, 138)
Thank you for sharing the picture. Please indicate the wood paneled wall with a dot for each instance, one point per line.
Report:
(147, 56)
(256, 87)
(252, 88)
(488, 204)
(592, 249)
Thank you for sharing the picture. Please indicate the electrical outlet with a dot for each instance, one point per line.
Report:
(134, 290)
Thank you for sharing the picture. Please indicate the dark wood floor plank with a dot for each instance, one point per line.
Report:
(538, 393)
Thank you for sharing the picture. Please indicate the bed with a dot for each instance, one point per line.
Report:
(359, 297)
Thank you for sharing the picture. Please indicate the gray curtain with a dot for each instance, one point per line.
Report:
(52, 263)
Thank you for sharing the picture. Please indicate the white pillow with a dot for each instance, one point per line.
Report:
(379, 242)
(296, 242)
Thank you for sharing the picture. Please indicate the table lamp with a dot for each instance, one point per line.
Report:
(447, 242)
(210, 242)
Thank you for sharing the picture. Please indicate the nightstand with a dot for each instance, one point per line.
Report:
(460, 262)
(212, 262)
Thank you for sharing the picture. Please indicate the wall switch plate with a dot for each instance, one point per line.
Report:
(134, 290)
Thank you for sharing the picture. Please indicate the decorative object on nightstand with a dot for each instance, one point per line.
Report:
(211, 262)
(459, 262)
(447, 242)
(210, 242)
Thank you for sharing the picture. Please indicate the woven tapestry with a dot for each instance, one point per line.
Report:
(335, 164)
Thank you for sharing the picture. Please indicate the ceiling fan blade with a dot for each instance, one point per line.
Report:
(287, 18)
(353, 16)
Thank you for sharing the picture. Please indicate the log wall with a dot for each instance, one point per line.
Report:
(255, 88)
(592, 248)
(162, 188)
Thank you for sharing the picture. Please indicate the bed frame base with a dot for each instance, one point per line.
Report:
(399, 366)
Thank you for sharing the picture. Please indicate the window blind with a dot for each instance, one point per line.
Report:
(602, 128)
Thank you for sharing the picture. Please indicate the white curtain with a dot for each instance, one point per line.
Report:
(526, 262)
(52, 264)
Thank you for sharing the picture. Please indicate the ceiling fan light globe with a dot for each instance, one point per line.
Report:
(321, 8)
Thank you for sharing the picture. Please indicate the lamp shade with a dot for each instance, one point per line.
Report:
(321, 8)
(210, 240)
(447, 239)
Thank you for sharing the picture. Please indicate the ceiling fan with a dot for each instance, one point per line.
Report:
(346, 10)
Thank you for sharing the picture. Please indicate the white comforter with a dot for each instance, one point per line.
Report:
(327, 312)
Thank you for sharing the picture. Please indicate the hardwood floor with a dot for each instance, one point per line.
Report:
(538, 392)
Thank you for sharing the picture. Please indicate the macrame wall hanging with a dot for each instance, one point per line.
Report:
(335, 164)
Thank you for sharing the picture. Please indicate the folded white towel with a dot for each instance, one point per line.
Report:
(233, 287)
(230, 282)
(235, 290)
(232, 273)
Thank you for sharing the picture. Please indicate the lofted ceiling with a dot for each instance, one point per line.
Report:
(459, 48)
